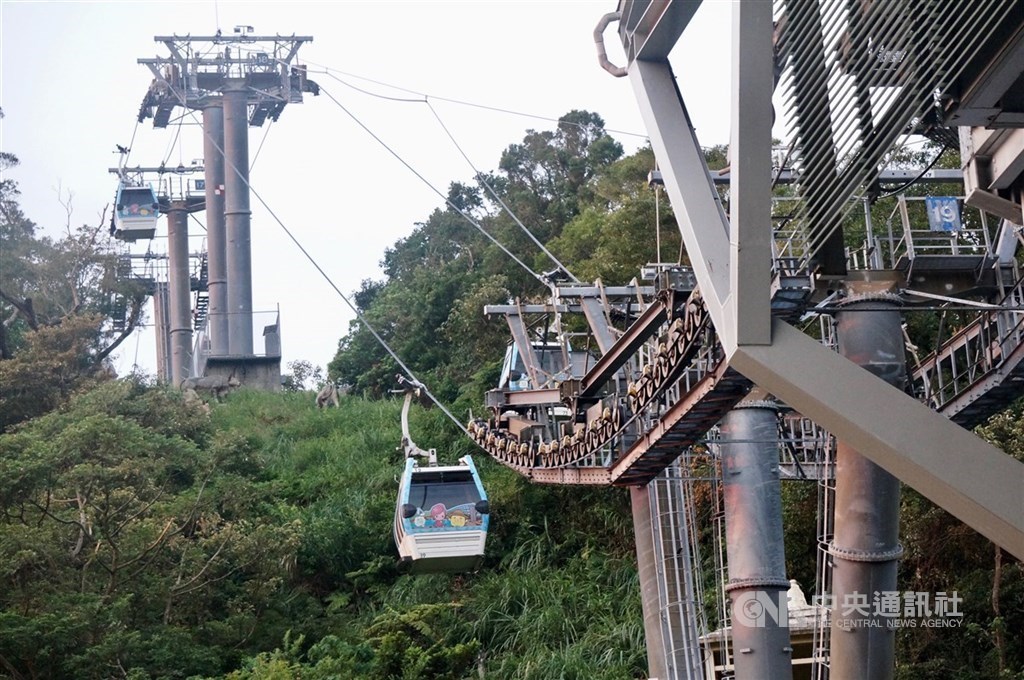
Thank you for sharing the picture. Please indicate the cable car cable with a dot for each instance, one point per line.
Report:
(480, 178)
(327, 70)
(331, 283)
(170, 148)
(266, 132)
(123, 162)
(423, 179)
(906, 185)
(196, 220)
(409, 372)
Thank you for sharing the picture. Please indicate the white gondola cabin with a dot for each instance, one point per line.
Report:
(441, 518)
(136, 212)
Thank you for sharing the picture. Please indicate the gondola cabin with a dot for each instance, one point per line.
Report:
(442, 517)
(136, 212)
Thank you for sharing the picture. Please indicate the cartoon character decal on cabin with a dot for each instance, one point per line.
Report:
(439, 514)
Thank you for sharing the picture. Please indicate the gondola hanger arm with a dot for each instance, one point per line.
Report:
(409, 448)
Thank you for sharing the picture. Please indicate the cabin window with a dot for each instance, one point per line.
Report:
(445, 500)
(137, 203)
(448, 494)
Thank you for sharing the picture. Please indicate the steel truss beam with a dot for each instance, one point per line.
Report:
(971, 479)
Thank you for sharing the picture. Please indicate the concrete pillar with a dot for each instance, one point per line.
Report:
(757, 584)
(865, 547)
(179, 309)
(216, 237)
(679, 605)
(667, 587)
(647, 568)
(237, 217)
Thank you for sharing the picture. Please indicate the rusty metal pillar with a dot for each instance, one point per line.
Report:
(757, 584)
(865, 547)
(647, 568)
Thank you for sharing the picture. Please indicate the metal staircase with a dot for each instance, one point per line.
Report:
(119, 312)
(980, 369)
(200, 285)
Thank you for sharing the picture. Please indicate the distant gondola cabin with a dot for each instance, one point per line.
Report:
(136, 213)
(550, 366)
(441, 518)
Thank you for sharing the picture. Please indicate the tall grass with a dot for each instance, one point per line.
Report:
(557, 597)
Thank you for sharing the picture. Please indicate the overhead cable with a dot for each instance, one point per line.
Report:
(170, 147)
(909, 183)
(252, 163)
(127, 154)
(480, 178)
(423, 96)
(355, 310)
(448, 201)
(327, 278)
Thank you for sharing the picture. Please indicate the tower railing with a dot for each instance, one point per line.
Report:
(985, 352)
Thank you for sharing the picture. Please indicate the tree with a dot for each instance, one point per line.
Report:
(132, 535)
(943, 554)
(547, 175)
(304, 376)
(429, 307)
(57, 299)
(614, 234)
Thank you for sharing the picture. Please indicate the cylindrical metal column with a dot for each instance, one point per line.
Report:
(865, 547)
(753, 529)
(216, 237)
(647, 568)
(180, 316)
(237, 216)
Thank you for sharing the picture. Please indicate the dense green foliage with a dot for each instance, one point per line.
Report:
(141, 537)
(56, 297)
(572, 189)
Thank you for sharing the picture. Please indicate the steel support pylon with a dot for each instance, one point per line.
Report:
(757, 584)
(237, 218)
(180, 317)
(647, 571)
(971, 479)
(216, 236)
(865, 545)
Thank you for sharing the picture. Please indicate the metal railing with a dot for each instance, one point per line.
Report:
(899, 241)
(975, 352)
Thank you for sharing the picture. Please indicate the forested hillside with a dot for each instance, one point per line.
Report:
(144, 535)
(574, 191)
(141, 537)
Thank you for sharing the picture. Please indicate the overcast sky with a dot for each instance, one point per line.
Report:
(70, 89)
